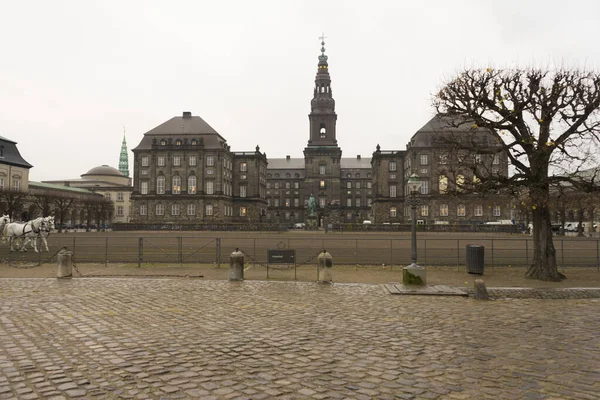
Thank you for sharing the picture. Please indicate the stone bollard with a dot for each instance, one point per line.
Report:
(479, 290)
(414, 275)
(236, 266)
(64, 260)
(324, 267)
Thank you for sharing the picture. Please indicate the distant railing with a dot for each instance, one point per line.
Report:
(215, 249)
(337, 227)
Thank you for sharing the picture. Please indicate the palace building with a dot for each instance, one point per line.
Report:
(185, 171)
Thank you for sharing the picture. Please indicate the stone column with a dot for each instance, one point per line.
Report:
(324, 267)
(64, 260)
(236, 266)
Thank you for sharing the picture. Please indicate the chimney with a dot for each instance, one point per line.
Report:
(287, 158)
(358, 157)
(187, 114)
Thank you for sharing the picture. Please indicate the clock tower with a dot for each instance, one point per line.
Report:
(322, 154)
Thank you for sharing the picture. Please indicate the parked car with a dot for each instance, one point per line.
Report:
(366, 222)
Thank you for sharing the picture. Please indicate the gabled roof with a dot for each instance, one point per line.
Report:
(186, 126)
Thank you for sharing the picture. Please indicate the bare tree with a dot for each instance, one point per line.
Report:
(44, 203)
(62, 206)
(547, 124)
(11, 202)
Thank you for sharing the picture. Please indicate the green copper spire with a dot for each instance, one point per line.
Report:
(123, 159)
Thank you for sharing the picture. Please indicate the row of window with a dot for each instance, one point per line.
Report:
(120, 196)
(209, 186)
(209, 210)
(424, 160)
(16, 184)
(192, 162)
(461, 211)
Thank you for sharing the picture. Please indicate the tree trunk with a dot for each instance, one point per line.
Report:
(544, 254)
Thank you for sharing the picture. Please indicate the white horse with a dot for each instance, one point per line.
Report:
(5, 219)
(25, 231)
(45, 229)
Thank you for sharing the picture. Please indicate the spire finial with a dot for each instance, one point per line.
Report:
(322, 37)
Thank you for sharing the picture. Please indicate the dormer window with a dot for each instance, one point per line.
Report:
(194, 142)
(178, 142)
(163, 142)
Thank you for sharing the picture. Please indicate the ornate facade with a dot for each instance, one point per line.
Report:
(185, 172)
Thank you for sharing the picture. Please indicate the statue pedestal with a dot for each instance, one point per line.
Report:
(311, 222)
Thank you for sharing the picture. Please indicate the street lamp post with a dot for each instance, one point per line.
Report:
(413, 274)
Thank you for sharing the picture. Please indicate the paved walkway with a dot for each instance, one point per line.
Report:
(178, 338)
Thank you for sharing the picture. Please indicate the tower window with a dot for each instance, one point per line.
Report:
(323, 131)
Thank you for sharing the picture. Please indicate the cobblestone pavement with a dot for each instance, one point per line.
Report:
(178, 338)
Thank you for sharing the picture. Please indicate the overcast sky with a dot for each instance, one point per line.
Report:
(74, 73)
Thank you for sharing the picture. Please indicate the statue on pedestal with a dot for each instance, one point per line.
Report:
(312, 205)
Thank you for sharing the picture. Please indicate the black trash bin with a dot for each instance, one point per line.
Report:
(475, 257)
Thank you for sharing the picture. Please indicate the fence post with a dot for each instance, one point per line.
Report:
(356, 251)
(458, 254)
(391, 254)
(562, 253)
(106, 252)
(598, 253)
(526, 252)
(218, 252)
(492, 254)
(140, 251)
(180, 249)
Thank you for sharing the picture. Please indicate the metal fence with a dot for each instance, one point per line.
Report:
(170, 250)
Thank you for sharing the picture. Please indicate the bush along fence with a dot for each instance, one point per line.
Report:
(138, 249)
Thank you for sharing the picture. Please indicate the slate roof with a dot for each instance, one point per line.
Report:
(355, 163)
(11, 155)
(443, 126)
(192, 127)
(284, 163)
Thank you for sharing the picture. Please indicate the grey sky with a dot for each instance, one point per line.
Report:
(73, 73)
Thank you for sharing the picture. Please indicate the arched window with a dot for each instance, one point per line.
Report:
(323, 131)
(160, 185)
(209, 209)
(322, 89)
(443, 188)
(163, 142)
(393, 212)
(192, 181)
(443, 210)
(461, 210)
(175, 209)
(194, 142)
(178, 142)
(160, 209)
(176, 184)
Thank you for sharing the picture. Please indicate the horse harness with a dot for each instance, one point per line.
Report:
(38, 231)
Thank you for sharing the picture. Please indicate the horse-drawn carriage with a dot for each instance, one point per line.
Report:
(22, 234)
